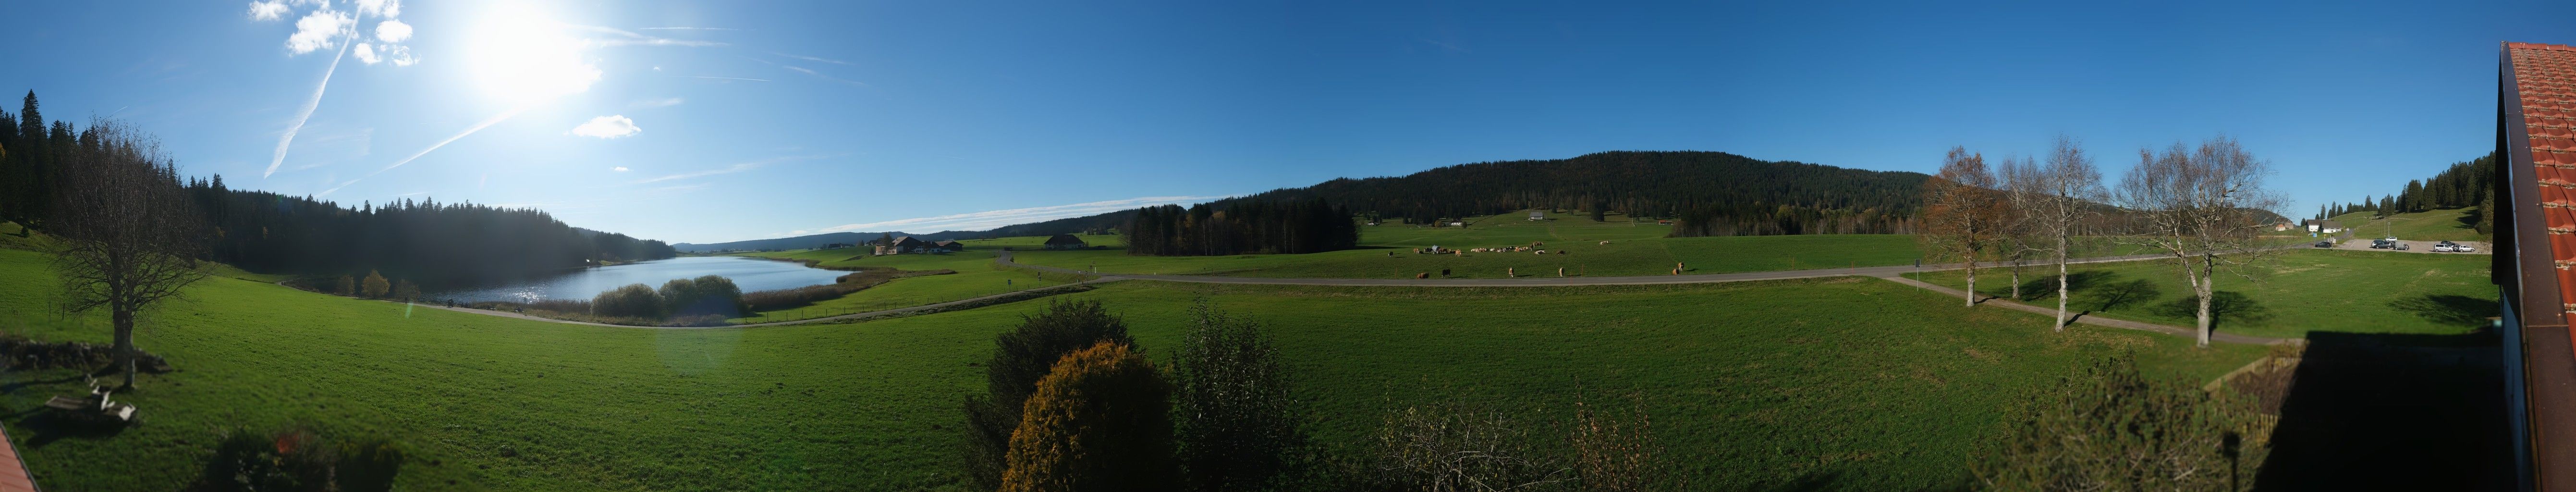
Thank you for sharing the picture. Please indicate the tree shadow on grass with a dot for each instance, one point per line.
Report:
(2112, 296)
(2224, 307)
(2448, 309)
(2083, 281)
(50, 426)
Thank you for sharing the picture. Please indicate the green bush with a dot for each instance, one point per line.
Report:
(298, 461)
(1100, 421)
(702, 296)
(1235, 423)
(2108, 428)
(631, 301)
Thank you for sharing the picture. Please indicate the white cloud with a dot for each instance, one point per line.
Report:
(392, 31)
(381, 8)
(612, 126)
(657, 103)
(320, 30)
(620, 169)
(268, 11)
(367, 53)
(737, 167)
(976, 221)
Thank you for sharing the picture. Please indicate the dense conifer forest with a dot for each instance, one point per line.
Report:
(1711, 193)
(1241, 227)
(434, 244)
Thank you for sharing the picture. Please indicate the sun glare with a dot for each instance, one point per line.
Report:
(523, 56)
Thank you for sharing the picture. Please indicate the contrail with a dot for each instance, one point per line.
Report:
(282, 141)
(442, 143)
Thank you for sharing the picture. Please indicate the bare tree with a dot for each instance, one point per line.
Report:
(1961, 218)
(2066, 191)
(2205, 207)
(2017, 183)
(130, 235)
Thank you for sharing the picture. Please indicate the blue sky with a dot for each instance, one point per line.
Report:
(718, 121)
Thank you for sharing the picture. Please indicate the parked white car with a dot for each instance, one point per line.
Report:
(2463, 248)
(2443, 248)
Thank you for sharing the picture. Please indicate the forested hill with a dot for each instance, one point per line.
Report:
(1714, 193)
(422, 242)
(817, 241)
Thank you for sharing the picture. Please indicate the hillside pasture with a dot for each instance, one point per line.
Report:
(1388, 251)
(2456, 224)
(1850, 383)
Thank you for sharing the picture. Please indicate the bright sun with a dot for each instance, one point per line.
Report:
(522, 56)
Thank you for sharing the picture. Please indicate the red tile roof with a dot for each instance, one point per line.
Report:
(2545, 79)
(13, 473)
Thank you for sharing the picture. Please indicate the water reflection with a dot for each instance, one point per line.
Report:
(747, 273)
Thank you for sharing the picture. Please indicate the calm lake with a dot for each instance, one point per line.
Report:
(749, 274)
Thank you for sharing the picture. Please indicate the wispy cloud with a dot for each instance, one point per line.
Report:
(605, 127)
(808, 71)
(811, 58)
(305, 114)
(620, 169)
(727, 78)
(976, 221)
(656, 103)
(735, 168)
(623, 37)
(442, 143)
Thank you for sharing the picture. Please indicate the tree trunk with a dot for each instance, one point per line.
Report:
(123, 317)
(2207, 288)
(1972, 281)
(2016, 281)
(2061, 283)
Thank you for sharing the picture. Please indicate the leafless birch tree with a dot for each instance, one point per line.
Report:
(2204, 206)
(130, 235)
(2066, 192)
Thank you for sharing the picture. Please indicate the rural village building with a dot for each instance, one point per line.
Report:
(1065, 241)
(906, 244)
(2535, 246)
(2322, 226)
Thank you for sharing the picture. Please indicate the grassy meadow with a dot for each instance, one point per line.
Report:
(1632, 249)
(2319, 290)
(1852, 383)
(2456, 224)
(976, 277)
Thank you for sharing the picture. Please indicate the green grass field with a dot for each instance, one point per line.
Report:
(976, 277)
(1864, 383)
(1633, 249)
(2309, 290)
(2435, 225)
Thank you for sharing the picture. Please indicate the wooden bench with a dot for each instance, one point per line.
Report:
(96, 406)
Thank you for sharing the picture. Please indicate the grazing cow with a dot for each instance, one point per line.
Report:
(1511, 273)
(1560, 271)
(1560, 251)
(1422, 275)
(1605, 243)
(1542, 251)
